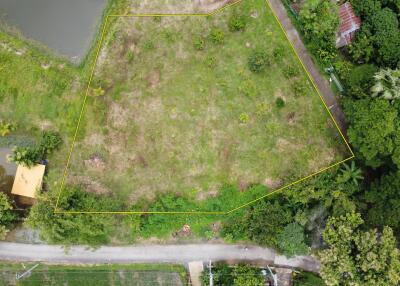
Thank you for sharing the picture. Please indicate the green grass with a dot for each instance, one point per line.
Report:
(112, 274)
(178, 119)
(174, 118)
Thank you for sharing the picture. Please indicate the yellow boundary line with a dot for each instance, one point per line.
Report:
(56, 210)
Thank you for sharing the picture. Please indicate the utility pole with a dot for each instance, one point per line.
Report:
(210, 274)
(29, 271)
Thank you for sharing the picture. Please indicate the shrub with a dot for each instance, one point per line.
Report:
(248, 88)
(244, 117)
(199, 43)
(299, 88)
(290, 71)
(278, 53)
(6, 127)
(50, 141)
(258, 60)
(292, 240)
(280, 103)
(236, 22)
(217, 36)
(148, 45)
(25, 156)
(211, 62)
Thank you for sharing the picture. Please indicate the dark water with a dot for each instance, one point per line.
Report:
(7, 171)
(66, 26)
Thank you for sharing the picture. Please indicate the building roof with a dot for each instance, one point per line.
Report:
(349, 22)
(28, 181)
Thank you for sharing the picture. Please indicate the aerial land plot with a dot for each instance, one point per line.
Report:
(187, 105)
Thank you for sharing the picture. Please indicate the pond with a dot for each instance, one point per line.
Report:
(66, 26)
(7, 171)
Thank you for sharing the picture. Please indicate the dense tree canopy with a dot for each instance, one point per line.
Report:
(357, 257)
(91, 229)
(373, 129)
(320, 21)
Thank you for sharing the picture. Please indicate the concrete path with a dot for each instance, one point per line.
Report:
(183, 253)
(321, 83)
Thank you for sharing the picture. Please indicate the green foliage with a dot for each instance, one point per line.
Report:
(199, 43)
(7, 216)
(359, 80)
(362, 49)
(350, 174)
(217, 36)
(49, 142)
(6, 127)
(320, 20)
(307, 279)
(279, 102)
(30, 156)
(248, 88)
(373, 128)
(244, 117)
(356, 257)
(236, 22)
(211, 62)
(385, 27)
(245, 275)
(366, 8)
(300, 88)
(262, 223)
(25, 156)
(387, 84)
(290, 71)
(292, 240)
(222, 275)
(258, 61)
(383, 202)
(90, 229)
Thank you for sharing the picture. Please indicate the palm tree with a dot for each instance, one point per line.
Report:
(350, 173)
(387, 84)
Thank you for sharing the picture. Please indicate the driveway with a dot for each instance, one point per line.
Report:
(181, 254)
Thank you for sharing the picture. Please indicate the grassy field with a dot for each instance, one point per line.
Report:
(116, 275)
(174, 108)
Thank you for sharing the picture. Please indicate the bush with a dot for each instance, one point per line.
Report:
(307, 279)
(6, 127)
(258, 61)
(25, 156)
(217, 36)
(50, 141)
(244, 117)
(292, 240)
(280, 103)
(199, 43)
(236, 22)
(299, 88)
(211, 62)
(290, 71)
(248, 88)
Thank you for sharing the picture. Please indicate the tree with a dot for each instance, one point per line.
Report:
(320, 20)
(385, 28)
(356, 257)
(360, 80)
(7, 216)
(387, 84)
(258, 60)
(292, 240)
(366, 8)
(372, 129)
(91, 229)
(383, 202)
(245, 275)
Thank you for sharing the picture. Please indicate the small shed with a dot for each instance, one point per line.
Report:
(349, 24)
(28, 180)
